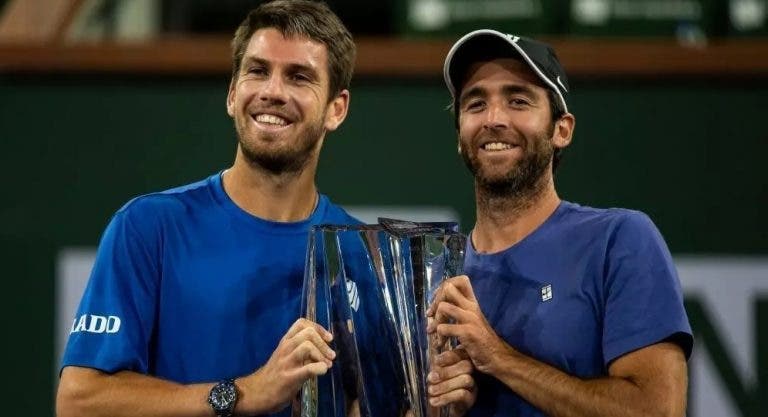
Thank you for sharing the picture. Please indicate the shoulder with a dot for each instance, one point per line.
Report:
(609, 231)
(629, 242)
(171, 200)
(335, 214)
(613, 221)
(147, 213)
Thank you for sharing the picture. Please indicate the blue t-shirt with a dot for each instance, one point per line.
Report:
(586, 287)
(188, 287)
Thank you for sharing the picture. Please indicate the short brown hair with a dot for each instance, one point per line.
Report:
(305, 18)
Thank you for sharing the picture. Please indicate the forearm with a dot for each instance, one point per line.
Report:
(558, 394)
(91, 393)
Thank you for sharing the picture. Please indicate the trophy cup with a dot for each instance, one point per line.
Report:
(370, 285)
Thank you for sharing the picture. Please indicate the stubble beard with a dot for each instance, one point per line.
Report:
(286, 160)
(523, 182)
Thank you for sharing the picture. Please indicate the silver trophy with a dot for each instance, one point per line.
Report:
(370, 285)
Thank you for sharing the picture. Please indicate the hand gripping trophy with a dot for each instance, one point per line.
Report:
(371, 285)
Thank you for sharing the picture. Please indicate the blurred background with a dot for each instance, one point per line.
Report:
(103, 100)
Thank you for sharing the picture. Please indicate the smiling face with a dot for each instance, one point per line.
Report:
(506, 131)
(280, 101)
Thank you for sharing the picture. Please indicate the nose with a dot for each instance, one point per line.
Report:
(495, 117)
(273, 90)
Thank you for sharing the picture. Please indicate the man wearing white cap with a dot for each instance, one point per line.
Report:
(565, 310)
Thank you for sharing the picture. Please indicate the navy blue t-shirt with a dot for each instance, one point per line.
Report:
(588, 286)
(188, 287)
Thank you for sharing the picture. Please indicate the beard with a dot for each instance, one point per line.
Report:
(285, 160)
(524, 178)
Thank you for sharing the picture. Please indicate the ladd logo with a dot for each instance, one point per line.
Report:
(92, 323)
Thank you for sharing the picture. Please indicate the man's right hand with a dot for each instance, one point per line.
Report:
(301, 354)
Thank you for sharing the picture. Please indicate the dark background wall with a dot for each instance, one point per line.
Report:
(690, 153)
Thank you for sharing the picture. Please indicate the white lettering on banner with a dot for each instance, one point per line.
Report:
(658, 10)
(724, 297)
(495, 10)
(96, 324)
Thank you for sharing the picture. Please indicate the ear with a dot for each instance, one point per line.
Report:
(231, 98)
(337, 111)
(563, 132)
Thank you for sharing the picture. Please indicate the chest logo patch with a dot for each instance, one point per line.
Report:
(546, 292)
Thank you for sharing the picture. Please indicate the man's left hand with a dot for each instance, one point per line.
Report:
(455, 312)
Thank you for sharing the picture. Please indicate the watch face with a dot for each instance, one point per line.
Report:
(223, 397)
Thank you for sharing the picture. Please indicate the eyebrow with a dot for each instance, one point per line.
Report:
(249, 60)
(506, 90)
(519, 89)
(473, 92)
(292, 67)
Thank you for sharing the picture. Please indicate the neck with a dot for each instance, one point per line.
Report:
(504, 220)
(284, 197)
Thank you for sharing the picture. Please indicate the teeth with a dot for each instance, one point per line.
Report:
(496, 146)
(271, 119)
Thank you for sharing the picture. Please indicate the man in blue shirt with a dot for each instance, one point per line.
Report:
(565, 310)
(192, 303)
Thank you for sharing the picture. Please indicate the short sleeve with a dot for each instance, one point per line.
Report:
(644, 301)
(115, 320)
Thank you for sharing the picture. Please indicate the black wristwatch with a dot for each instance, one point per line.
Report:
(223, 397)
